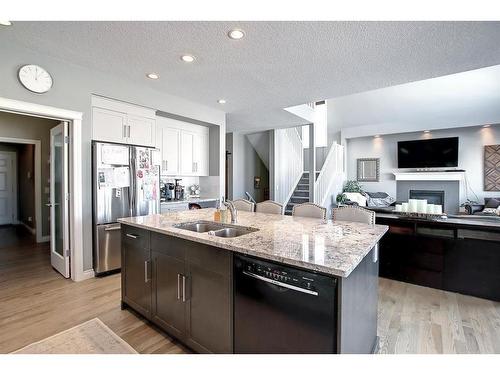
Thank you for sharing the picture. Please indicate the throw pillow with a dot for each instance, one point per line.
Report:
(492, 203)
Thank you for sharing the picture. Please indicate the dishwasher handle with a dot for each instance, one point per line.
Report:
(279, 283)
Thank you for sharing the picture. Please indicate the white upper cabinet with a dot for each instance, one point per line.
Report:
(187, 161)
(114, 121)
(109, 125)
(169, 142)
(141, 131)
(184, 147)
(201, 153)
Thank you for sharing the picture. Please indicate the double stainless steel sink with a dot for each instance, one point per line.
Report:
(216, 229)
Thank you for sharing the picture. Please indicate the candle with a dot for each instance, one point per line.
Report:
(430, 208)
(413, 205)
(399, 208)
(438, 209)
(422, 206)
(404, 207)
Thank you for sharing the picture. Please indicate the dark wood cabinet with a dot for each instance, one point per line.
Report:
(209, 303)
(136, 270)
(169, 310)
(184, 287)
(448, 256)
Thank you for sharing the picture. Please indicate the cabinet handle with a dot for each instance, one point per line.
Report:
(134, 236)
(178, 286)
(166, 165)
(124, 131)
(183, 288)
(146, 271)
(128, 132)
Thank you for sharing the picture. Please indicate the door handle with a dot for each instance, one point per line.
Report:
(146, 271)
(278, 283)
(134, 236)
(183, 288)
(178, 286)
(51, 204)
(109, 229)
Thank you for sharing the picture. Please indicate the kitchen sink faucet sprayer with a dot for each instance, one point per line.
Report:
(233, 210)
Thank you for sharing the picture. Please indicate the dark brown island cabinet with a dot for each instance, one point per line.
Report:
(186, 289)
(456, 255)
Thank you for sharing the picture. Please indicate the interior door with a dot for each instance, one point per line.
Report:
(6, 188)
(59, 199)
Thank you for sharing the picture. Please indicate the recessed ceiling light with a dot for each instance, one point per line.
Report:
(376, 136)
(5, 23)
(221, 101)
(486, 126)
(427, 131)
(236, 34)
(187, 58)
(152, 75)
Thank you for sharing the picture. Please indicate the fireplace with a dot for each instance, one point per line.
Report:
(432, 196)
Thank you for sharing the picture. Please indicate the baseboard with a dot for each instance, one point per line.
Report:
(88, 274)
(44, 239)
(31, 230)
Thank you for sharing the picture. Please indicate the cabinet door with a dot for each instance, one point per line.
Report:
(171, 139)
(169, 307)
(200, 154)
(187, 144)
(209, 299)
(209, 317)
(136, 274)
(108, 126)
(141, 131)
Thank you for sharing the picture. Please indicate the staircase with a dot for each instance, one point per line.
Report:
(300, 194)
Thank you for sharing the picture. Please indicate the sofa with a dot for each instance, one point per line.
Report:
(491, 207)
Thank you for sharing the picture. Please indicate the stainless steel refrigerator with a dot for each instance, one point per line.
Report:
(126, 182)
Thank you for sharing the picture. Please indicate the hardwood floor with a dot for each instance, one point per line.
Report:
(415, 319)
(36, 302)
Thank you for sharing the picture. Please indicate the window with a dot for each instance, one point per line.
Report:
(320, 127)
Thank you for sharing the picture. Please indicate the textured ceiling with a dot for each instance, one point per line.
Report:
(277, 64)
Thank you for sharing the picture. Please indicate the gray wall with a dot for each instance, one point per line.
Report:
(470, 158)
(244, 166)
(19, 126)
(72, 90)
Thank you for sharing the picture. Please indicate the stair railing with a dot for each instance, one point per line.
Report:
(332, 171)
(289, 163)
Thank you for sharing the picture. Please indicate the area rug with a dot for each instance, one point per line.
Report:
(91, 337)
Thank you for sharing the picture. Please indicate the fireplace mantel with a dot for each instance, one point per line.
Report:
(429, 176)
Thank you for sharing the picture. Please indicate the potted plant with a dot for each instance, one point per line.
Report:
(352, 186)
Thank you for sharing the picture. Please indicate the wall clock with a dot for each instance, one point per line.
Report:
(35, 78)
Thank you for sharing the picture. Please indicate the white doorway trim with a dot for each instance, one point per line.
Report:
(38, 183)
(13, 183)
(75, 177)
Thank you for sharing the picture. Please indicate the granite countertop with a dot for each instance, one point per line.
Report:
(189, 200)
(315, 244)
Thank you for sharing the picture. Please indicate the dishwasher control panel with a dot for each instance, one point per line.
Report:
(284, 275)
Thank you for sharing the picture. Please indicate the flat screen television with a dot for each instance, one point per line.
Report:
(428, 153)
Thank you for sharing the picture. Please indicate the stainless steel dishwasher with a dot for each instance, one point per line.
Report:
(280, 309)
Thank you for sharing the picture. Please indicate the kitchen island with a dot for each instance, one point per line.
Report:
(194, 284)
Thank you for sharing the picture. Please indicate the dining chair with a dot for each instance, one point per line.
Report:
(354, 213)
(243, 205)
(309, 210)
(269, 207)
